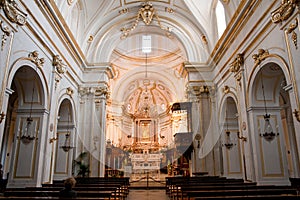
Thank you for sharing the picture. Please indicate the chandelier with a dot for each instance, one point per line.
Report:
(147, 13)
(27, 135)
(228, 144)
(66, 147)
(268, 133)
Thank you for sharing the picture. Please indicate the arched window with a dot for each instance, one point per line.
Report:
(220, 15)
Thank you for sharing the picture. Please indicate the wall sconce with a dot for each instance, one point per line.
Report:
(2, 116)
(27, 136)
(268, 134)
(243, 138)
(53, 139)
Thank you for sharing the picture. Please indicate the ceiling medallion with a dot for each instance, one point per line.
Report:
(147, 13)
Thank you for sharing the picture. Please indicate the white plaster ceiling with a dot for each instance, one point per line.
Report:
(96, 25)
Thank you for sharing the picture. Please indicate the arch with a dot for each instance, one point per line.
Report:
(270, 59)
(66, 135)
(23, 61)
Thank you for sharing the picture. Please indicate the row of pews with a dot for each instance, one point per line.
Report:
(87, 188)
(217, 188)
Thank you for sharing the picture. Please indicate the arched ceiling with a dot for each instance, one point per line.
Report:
(181, 30)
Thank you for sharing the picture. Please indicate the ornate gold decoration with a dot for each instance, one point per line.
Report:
(236, 65)
(297, 114)
(57, 80)
(6, 33)
(284, 11)
(238, 77)
(226, 89)
(102, 91)
(169, 10)
(260, 56)
(34, 57)
(198, 90)
(12, 12)
(204, 39)
(291, 29)
(91, 38)
(123, 11)
(70, 91)
(2, 116)
(58, 64)
(147, 12)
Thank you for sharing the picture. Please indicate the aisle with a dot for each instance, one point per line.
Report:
(147, 195)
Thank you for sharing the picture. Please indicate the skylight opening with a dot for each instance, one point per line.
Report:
(221, 21)
(146, 44)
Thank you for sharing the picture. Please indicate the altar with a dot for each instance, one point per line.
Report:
(146, 164)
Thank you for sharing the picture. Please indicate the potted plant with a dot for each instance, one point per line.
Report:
(81, 165)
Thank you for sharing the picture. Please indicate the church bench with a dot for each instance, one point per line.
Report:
(251, 197)
(241, 192)
(106, 193)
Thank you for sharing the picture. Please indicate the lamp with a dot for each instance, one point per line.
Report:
(66, 147)
(268, 134)
(228, 143)
(27, 137)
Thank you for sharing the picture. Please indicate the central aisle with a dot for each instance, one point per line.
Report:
(147, 194)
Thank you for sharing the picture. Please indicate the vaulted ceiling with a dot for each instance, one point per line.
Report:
(181, 31)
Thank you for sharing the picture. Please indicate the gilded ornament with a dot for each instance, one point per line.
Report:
(13, 12)
(102, 91)
(147, 13)
(6, 33)
(237, 63)
(297, 114)
(260, 56)
(58, 64)
(169, 10)
(204, 39)
(226, 89)
(291, 29)
(69, 91)
(124, 10)
(284, 11)
(34, 57)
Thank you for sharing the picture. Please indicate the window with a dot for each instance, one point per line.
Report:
(221, 21)
(146, 44)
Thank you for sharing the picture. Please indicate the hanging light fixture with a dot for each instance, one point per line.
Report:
(27, 136)
(228, 143)
(66, 147)
(268, 133)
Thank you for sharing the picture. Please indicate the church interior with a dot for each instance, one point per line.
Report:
(180, 93)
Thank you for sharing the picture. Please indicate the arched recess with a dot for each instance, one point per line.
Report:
(274, 146)
(66, 135)
(231, 157)
(24, 130)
